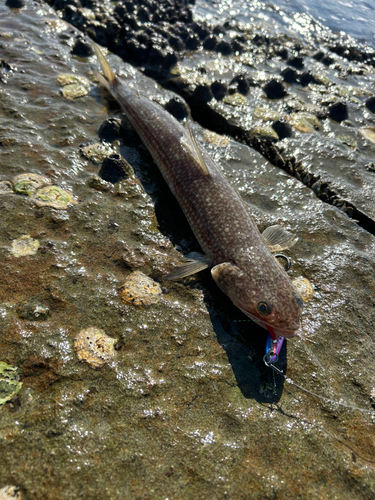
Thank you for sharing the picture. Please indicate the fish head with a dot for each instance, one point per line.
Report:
(270, 299)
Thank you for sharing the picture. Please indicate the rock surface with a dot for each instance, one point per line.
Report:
(186, 407)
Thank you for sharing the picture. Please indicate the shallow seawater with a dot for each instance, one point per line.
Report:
(175, 400)
(306, 17)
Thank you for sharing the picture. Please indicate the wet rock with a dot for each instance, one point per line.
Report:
(6, 187)
(296, 62)
(178, 108)
(143, 14)
(368, 133)
(237, 47)
(10, 385)
(95, 347)
(110, 130)
(202, 93)
(266, 114)
(304, 288)
(219, 90)
(5, 70)
(115, 168)
(68, 79)
(307, 78)
(242, 84)
(318, 56)
(236, 99)
(192, 42)
(282, 128)
(73, 86)
(289, 75)
(264, 132)
(140, 290)
(176, 43)
(224, 48)
(99, 184)
(210, 42)
(303, 122)
(26, 245)
(327, 60)
(218, 140)
(82, 48)
(33, 311)
(281, 52)
(54, 197)
(370, 104)
(97, 151)
(338, 111)
(219, 30)
(260, 40)
(27, 184)
(74, 91)
(15, 4)
(201, 30)
(274, 89)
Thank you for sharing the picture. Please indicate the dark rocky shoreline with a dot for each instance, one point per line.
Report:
(156, 35)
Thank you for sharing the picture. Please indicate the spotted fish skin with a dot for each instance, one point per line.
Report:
(243, 266)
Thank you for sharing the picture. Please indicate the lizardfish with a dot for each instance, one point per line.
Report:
(242, 264)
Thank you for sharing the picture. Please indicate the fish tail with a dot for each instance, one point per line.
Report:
(109, 78)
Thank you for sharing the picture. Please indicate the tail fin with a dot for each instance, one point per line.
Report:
(109, 77)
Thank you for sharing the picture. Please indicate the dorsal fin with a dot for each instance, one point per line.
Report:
(189, 142)
(109, 75)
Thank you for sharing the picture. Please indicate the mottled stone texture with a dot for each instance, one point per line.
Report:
(186, 408)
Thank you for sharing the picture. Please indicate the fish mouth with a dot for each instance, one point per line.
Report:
(280, 332)
(288, 334)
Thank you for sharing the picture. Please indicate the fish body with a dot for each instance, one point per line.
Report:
(243, 267)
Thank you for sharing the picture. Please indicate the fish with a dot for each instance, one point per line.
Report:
(239, 256)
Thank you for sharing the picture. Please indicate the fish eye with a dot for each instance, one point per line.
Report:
(263, 308)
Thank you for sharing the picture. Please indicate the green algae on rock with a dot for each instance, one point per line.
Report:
(10, 385)
(69, 79)
(55, 197)
(235, 99)
(303, 122)
(94, 346)
(75, 90)
(25, 245)
(140, 290)
(73, 86)
(28, 183)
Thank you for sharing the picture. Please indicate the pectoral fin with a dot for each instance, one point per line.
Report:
(278, 239)
(225, 274)
(195, 262)
(190, 143)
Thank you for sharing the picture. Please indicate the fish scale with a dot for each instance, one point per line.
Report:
(243, 268)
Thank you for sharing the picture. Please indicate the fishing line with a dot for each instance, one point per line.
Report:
(290, 381)
(266, 359)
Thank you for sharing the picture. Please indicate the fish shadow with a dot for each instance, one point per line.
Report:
(244, 344)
